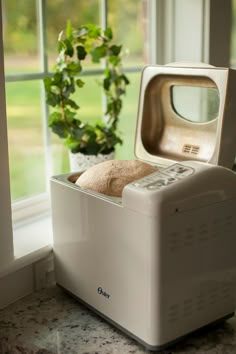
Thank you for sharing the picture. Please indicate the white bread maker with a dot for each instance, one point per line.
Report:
(160, 262)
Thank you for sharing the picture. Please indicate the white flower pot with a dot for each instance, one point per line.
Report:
(80, 162)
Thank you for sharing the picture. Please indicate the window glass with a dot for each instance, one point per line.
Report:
(60, 156)
(195, 104)
(128, 18)
(20, 36)
(128, 118)
(25, 137)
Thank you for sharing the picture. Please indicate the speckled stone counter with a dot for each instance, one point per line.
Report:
(51, 322)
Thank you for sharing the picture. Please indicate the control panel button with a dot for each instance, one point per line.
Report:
(167, 176)
(179, 171)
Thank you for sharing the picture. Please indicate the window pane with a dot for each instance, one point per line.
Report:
(89, 98)
(128, 118)
(25, 139)
(127, 18)
(59, 11)
(60, 154)
(20, 36)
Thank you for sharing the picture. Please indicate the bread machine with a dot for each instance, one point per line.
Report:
(160, 262)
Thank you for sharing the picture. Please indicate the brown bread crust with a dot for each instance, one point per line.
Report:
(110, 177)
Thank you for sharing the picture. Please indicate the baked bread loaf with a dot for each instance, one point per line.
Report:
(110, 177)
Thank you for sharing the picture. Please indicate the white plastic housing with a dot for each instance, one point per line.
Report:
(160, 262)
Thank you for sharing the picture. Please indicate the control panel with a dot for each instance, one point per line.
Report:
(165, 177)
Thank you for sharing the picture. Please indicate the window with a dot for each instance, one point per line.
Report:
(30, 42)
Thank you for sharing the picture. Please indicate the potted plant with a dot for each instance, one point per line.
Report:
(74, 46)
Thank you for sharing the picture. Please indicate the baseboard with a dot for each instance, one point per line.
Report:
(21, 282)
(16, 285)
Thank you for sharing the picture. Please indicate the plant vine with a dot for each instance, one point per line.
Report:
(75, 46)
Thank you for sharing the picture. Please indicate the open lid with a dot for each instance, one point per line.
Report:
(187, 113)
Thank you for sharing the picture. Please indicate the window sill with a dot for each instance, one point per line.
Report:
(33, 236)
(32, 242)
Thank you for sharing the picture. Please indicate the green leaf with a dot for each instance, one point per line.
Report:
(57, 79)
(81, 52)
(121, 91)
(72, 144)
(72, 104)
(77, 133)
(69, 50)
(125, 79)
(93, 148)
(73, 68)
(60, 46)
(98, 52)
(47, 83)
(114, 60)
(53, 99)
(80, 83)
(57, 125)
(69, 30)
(60, 130)
(70, 117)
(115, 49)
(93, 30)
(106, 83)
(108, 33)
(107, 72)
(54, 118)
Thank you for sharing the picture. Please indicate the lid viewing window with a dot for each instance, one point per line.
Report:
(194, 103)
(179, 117)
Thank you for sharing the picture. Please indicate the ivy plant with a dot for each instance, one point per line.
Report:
(74, 46)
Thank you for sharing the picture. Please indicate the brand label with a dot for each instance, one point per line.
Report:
(102, 292)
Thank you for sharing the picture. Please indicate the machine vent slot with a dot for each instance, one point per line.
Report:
(200, 302)
(223, 226)
(187, 307)
(203, 232)
(213, 295)
(175, 241)
(173, 313)
(191, 149)
(210, 297)
(186, 237)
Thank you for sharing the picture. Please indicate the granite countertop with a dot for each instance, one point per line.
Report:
(52, 322)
